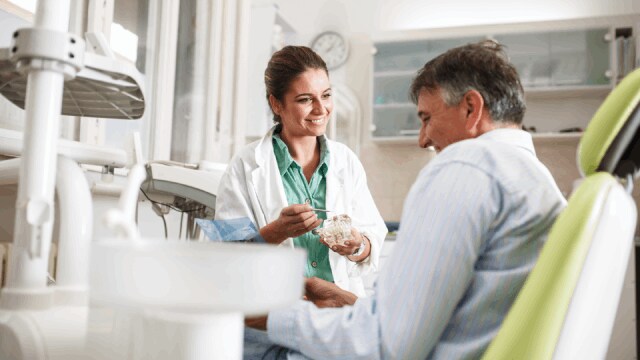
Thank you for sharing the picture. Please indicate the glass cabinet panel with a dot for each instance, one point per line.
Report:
(392, 88)
(598, 54)
(400, 56)
(395, 66)
(530, 54)
(396, 120)
(560, 58)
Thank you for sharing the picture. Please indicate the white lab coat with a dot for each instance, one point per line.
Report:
(252, 187)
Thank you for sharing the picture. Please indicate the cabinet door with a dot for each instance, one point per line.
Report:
(560, 58)
(395, 64)
(531, 55)
(580, 57)
(400, 56)
(599, 57)
(395, 120)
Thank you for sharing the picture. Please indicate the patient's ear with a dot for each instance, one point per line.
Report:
(474, 106)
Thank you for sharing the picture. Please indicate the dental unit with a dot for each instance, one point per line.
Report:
(122, 296)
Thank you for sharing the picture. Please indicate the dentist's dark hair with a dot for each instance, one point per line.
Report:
(286, 65)
(481, 66)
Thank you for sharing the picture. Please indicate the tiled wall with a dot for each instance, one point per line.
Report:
(391, 169)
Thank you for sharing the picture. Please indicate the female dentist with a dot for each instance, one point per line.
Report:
(278, 181)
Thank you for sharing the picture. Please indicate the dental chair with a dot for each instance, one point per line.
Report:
(567, 306)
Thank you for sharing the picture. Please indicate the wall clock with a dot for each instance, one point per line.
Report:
(332, 47)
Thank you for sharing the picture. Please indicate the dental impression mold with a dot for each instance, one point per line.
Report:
(336, 230)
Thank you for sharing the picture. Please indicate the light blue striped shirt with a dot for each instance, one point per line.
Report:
(471, 229)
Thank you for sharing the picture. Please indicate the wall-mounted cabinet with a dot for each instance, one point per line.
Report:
(553, 64)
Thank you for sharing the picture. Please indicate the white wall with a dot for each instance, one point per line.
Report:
(373, 16)
(354, 18)
(350, 16)
(416, 14)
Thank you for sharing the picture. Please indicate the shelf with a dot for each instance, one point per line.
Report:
(394, 106)
(557, 135)
(560, 91)
(395, 140)
(538, 139)
(556, 138)
(401, 73)
(535, 93)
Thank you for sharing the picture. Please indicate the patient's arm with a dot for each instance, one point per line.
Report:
(321, 292)
(259, 322)
(326, 294)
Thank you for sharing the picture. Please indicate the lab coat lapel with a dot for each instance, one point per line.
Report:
(266, 181)
(335, 201)
(335, 184)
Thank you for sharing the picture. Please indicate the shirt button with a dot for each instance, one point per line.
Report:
(314, 264)
(307, 201)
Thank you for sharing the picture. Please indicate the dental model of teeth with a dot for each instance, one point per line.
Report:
(336, 230)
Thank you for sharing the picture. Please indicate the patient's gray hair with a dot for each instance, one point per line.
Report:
(483, 67)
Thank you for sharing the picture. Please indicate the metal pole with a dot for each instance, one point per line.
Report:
(27, 272)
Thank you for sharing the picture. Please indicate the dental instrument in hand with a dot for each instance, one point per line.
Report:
(315, 231)
(322, 210)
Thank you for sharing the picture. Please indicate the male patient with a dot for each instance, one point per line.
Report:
(472, 226)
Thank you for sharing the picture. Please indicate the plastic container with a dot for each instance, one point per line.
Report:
(195, 276)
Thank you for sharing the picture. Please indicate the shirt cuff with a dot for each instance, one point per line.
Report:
(258, 239)
(281, 326)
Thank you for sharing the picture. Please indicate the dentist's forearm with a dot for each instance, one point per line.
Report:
(271, 235)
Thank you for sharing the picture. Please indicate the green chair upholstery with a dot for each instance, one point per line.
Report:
(610, 142)
(568, 304)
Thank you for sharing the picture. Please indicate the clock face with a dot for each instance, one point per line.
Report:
(332, 47)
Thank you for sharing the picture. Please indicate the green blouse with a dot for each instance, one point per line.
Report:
(298, 191)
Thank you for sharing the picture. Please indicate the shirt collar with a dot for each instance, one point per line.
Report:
(283, 156)
(285, 161)
(514, 137)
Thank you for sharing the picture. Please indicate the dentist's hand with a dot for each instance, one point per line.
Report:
(294, 220)
(351, 246)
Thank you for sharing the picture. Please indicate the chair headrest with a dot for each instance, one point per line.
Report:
(611, 141)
